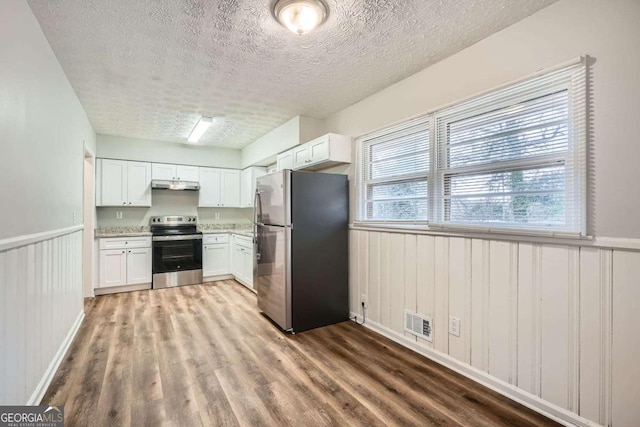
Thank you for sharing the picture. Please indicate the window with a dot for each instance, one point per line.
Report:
(512, 159)
(395, 173)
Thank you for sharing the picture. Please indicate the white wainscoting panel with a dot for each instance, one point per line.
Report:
(625, 354)
(538, 318)
(40, 304)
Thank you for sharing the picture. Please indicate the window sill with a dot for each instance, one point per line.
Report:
(495, 234)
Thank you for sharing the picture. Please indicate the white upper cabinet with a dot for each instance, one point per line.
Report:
(230, 188)
(210, 194)
(138, 184)
(166, 172)
(163, 172)
(187, 173)
(123, 183)
(248, 185)
(112, 182)
(285, 160)
(219, 188)
(300, 156)
(321, 153)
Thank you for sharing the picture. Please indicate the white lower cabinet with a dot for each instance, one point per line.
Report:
(215, 259)
(113, 268)
(224, 254)
(125, 261)
(138, 266)
(242, 260)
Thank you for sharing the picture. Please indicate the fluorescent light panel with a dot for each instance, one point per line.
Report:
(200, 128)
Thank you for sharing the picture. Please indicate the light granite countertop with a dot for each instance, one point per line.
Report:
(141, 231)
(132, 231)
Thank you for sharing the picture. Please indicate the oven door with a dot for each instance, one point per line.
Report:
(177, 260)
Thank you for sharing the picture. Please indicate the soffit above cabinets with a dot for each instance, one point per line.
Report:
(149, 69)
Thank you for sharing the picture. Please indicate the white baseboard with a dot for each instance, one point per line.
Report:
(529, 400)
(44, 383)
(217, 278)
(119, 289)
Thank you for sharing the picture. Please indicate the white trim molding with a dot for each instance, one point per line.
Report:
(631, 244)
(27, 239)
(44, 383)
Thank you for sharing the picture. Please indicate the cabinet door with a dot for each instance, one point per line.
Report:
(113, 268)
(139, 184)
(319, 150)
(114, 182)
(215, 260)
(163, 171)
(237, 262)
(230, 188)
(187, 173)
(248, 267)
(300, 157)
(285, 160)
(210, 185)
(138, 266)
(246, 195)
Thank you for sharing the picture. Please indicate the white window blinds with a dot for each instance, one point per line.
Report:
(515, 158)
(394, 173)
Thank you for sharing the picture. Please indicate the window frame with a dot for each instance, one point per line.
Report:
(364, 144)
(574, 159)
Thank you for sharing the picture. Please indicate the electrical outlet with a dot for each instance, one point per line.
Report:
(363, 300)
(118, 214)
(454, 326)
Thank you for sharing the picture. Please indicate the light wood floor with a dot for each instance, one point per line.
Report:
(203, 355)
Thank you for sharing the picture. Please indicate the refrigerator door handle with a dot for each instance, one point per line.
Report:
(256, 202)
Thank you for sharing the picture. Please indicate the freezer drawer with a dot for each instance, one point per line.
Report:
(272, 276)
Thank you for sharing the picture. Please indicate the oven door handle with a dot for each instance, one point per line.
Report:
(182, 237)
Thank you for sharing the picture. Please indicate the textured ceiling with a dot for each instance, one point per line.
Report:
(150, 68)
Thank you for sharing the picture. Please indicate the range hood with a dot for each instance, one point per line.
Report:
(175, 185)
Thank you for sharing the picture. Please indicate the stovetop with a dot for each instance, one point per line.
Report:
(173, 225)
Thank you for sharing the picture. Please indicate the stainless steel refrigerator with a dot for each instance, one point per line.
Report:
(302, 248)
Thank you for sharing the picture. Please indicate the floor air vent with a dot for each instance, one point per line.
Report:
(419, 325)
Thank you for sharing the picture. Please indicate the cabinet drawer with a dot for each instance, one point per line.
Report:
(125, 242)
(243, 241)
(215, 238)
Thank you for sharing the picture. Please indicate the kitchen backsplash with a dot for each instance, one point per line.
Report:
(172, 203)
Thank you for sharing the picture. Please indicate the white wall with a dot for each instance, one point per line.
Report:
(296, 131)
(547, 323)
(608, 31)
(43, 130)
(172, 203)
(118, 147)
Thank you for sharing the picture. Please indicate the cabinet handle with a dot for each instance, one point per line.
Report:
(124, 203)
(129, 202)
(122, 251)
(129, 251)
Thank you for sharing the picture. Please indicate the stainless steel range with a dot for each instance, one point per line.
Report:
(177, 251)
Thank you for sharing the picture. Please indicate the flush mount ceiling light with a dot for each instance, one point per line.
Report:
(300, 16)
(199, 130)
